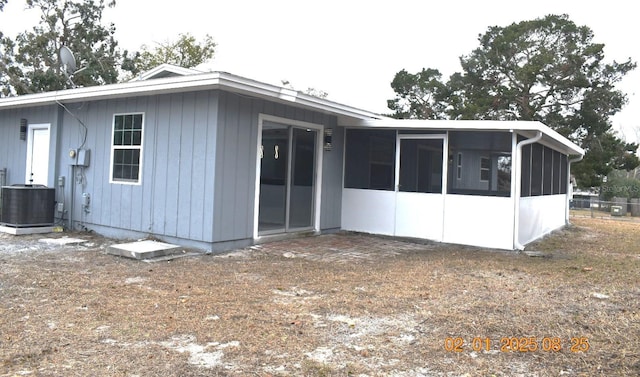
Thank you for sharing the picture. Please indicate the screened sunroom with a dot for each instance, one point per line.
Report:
(481, 183)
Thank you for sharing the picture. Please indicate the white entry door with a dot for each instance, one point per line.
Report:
(37, 155)
(421, 168)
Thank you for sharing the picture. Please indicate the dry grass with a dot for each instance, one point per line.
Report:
(334, 305)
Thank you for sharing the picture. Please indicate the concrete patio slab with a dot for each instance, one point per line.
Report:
(62, 241)
(146, 249)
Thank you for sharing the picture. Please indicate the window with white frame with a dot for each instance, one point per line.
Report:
(126, 148)
(485, 169)
(459, 167)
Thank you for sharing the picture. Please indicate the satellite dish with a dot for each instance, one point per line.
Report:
(67, 61)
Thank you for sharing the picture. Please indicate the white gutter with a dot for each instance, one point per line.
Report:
(566, 210)
(518, 188)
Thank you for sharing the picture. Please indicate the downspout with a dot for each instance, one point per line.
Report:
(518, 189)
(566, 210)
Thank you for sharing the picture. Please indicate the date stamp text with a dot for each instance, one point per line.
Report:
(517, 344)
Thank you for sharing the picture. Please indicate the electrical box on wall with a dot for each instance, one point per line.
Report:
(86, 202)
(83, 157)
(86, 199)
(80, 157)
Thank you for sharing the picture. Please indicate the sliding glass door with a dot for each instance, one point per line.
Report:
(287, 178)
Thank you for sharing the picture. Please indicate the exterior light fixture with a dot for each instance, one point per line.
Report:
(328, 138)
(23, 129)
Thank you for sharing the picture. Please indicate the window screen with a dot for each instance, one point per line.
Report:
(544, 171)
(563, 174)
(547, 172)
(479, 163)
(421, 165)
(525, 188)
(557, 172)
(370, 159)
(536, 169)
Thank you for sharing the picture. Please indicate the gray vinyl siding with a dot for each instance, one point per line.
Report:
(236, 164)
(198, 169)
(470, 177)
(175, 197)
(471, 172)
(13, 151)
(235, 170)
(330, 216)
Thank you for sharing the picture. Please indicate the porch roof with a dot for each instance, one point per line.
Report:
(524, 128)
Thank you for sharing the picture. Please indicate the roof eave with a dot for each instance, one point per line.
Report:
(205, 81)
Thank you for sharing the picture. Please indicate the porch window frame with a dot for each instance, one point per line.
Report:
(368, 158)
(494, 149)
(430, 136)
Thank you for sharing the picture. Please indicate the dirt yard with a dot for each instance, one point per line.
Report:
(334, 305)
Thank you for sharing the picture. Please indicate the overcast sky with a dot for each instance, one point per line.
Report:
(352, 49)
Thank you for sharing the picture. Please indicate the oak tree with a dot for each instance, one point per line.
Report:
(30, 62)
(549, 70)
(418, 95)
(185, 52)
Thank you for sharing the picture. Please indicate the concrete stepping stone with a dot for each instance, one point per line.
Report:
(146, 249)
